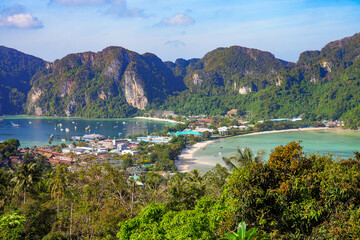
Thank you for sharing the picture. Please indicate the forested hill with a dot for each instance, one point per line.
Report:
(112, 83)
(16, 71)
(116, 82)
(321, 85)
(236, 69)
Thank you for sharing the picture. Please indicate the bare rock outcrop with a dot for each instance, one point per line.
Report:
(134, 90)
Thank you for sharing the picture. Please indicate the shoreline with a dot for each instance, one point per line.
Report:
(186, 158)
(23, 116)
(157, 119)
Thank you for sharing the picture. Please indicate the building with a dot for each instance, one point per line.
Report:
(189, 132)
(223, 130)
(93, 137)
(201, 130)
(14, 160)
(60, 160)
(154, 139)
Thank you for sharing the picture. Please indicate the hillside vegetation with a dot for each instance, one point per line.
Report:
(119, 83)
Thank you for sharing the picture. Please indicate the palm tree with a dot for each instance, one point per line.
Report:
(242, 157)
(242, 234)
(58, 183)
(26, 178)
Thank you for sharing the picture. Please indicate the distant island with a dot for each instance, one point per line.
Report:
(117, 82)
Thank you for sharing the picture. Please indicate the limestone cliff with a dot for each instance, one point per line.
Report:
(134, 90)
(110, 83)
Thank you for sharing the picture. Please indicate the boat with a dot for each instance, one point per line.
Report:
(52, 135)
(59, 125)
(30, 122)
(67, 130)
(75, 127)
(61, 129)
(15, 124)
(124, 123)
(116, 126)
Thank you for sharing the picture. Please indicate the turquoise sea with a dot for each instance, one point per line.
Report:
(36, 131)
(339, 143)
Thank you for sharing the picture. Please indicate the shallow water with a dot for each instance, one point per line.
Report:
(340, 143)
(36, 131)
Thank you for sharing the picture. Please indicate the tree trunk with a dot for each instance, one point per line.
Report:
(71, 209)
(58, 208)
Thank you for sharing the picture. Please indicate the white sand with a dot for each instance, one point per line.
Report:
(186, 157)
(284, 130)
(158, 119)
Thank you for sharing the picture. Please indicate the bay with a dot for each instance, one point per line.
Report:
(36, 131)
(341, 144)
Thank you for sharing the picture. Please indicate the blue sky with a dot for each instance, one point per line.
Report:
(51, 29)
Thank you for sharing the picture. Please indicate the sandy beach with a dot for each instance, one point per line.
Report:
(284, 130)
(158, 119)
(186, 157)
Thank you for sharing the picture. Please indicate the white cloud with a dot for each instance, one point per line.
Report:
(175, 43)
(178, 20)
(16, 17)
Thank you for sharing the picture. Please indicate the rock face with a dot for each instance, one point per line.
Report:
(244, 90)
(134, 90)
(82, 84)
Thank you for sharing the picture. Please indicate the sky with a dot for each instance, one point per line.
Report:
(51, 29)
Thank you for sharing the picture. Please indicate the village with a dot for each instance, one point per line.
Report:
(201, 127)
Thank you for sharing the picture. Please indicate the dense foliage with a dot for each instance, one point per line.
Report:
(16, 71)
(291, 196)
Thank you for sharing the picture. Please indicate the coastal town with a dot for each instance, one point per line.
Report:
(197, 130)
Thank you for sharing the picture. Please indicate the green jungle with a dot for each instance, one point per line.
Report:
(291, 196)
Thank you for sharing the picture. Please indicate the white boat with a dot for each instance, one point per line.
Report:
(62, 129)
(15, 125)
(67, 130)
